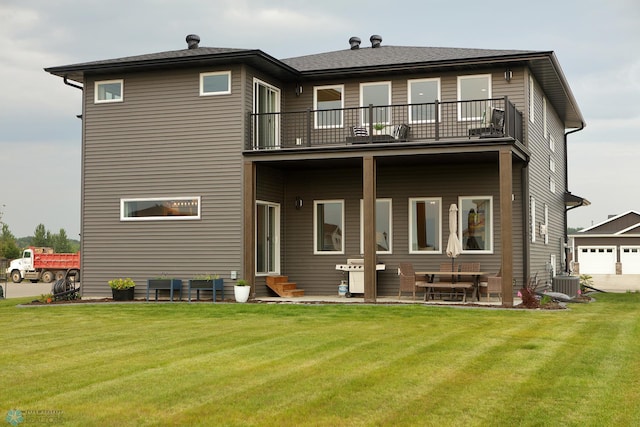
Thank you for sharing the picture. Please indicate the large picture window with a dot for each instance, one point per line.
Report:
(383, 226)
(476, 223)
(175, 208)
(424, 93)
(328, 231)
(217, 83)
(109, 91)
(328, 101)
(425, 230)
(379, 95)
(476, 90)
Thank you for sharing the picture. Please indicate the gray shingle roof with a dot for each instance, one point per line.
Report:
(171, 54)
(393, 56)
(366, 60)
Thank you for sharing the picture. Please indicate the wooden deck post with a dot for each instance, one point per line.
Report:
(506, 224)
(369, 229)
(249, 202)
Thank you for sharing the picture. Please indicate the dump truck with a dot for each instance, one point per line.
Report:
(43, 264)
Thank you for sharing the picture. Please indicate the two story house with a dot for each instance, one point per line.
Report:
(230, 161)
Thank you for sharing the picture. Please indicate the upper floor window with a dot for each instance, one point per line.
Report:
(109, 91)
(160, 209)
(532, 96)
(425, 231)
(328, 101)
(328, 230)
(383, 226)
(216, 83)
(546, 224)
(476, 91)
(544, 117)
(422, 95)
(476, 223)
(379, 95)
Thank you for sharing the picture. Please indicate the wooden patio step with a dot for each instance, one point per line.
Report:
(283, 288)
(272, 280)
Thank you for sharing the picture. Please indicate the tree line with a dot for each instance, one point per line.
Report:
(11, 247)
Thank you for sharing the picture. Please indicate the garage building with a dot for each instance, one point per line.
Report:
(610, 247)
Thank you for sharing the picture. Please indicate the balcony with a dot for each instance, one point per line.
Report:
(456, 120)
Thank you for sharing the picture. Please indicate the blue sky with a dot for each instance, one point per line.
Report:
(40, 137)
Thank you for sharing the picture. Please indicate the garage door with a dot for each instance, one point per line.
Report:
(597, 259)
(630, 259)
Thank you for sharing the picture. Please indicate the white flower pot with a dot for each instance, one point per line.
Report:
(241, 293)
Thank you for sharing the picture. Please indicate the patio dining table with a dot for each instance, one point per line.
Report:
(430, 275)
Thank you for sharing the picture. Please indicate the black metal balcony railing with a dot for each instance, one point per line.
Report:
(428, 122)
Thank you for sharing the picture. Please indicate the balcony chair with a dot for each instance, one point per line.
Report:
(408, 282)
(496, 127)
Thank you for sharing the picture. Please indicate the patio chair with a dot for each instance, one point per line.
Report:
(408, 282)
(494, 285)
(469, 267)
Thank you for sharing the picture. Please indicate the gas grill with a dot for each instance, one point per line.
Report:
(355, 268)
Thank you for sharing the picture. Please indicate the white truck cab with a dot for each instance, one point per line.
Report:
(19, 267)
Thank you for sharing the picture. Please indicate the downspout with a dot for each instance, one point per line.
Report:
(526, 209)
(68, 83)
(566, 188)
(80, 116)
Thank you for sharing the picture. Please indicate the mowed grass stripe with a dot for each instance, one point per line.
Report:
(230, 364)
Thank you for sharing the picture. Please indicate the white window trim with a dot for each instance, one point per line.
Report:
(552, 184)
(365, 114)
(552, 143)
(108, 101)
(552, 164)
(315, 106)
(425, 199)
(160, 218)
(390, 237)
(438, 96)
(315, 227)
(215, 73)
(489, 220)
(277, 237)
(459, 92)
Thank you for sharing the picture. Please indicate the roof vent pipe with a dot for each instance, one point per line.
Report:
(192, 41)
(355, 43)
(375, 40)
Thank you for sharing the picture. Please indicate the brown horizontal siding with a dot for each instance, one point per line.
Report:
(164, 140)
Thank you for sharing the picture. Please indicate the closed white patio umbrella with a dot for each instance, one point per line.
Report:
(454, 247)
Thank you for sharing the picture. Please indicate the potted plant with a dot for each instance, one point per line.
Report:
(379, 127)
(241, 290)
(210, 282)
(122, 289)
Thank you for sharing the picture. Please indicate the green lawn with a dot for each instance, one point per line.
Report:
(326, 365)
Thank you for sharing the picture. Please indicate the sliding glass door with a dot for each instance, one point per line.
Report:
(266, 106)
